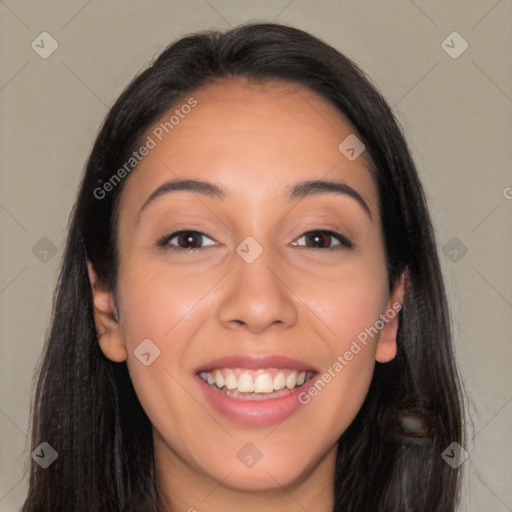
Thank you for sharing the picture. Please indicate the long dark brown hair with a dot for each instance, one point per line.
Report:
(85, 406)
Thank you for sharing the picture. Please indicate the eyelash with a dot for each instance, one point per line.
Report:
(164, 241)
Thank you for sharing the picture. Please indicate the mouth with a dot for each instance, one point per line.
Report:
(256, 384)
(255, 391)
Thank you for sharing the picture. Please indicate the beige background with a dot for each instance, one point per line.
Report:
(456, 112)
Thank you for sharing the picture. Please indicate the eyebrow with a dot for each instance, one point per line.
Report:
(297, 191)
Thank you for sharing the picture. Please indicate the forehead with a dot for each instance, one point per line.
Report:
(254, 139)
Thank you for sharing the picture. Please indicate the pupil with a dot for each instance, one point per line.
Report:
(317, 237)
(189, 238)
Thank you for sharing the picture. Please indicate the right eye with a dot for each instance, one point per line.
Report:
(185, 240)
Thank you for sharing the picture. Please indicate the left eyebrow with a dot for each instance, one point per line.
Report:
(312, 187)
(297, 191)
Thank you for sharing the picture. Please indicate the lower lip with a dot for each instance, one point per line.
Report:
(259, 413)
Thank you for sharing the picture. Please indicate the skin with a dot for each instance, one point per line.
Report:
(254, 140)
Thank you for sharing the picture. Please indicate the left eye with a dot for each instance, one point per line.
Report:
(192, 239)
(322, 238)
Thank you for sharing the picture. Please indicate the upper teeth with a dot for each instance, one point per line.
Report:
(255, 381)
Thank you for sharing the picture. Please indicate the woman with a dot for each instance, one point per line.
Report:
(250, 311)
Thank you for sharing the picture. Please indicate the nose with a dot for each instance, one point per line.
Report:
(256, 296)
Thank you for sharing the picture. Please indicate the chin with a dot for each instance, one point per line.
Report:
(264, 475)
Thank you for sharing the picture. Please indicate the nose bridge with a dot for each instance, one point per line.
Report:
(256, 294)
(258, 266)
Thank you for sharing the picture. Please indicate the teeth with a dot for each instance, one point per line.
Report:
(279, 381)
(231, 382)
(219, 379)
(245, 383)
(255, 381)
(291, 380)
(263, 384)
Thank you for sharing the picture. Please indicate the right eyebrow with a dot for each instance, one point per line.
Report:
(202, 187)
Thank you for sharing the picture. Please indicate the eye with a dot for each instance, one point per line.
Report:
(321, 239)
(185, 240)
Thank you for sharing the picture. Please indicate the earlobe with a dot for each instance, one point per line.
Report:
(112, 347)
(110, 335)
(386, 348)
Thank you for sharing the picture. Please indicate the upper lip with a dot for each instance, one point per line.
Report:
(257, 362)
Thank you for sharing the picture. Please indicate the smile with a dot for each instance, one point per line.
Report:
(255, 384)
(255, 390)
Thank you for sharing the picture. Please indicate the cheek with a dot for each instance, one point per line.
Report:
(347, 302)
(163, 306)
(166, 306)
(156, 302)
(350, 306)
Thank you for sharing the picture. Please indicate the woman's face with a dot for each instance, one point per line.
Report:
(269, 287)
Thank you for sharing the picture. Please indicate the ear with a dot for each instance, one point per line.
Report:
(386, 347)
(110, 335)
